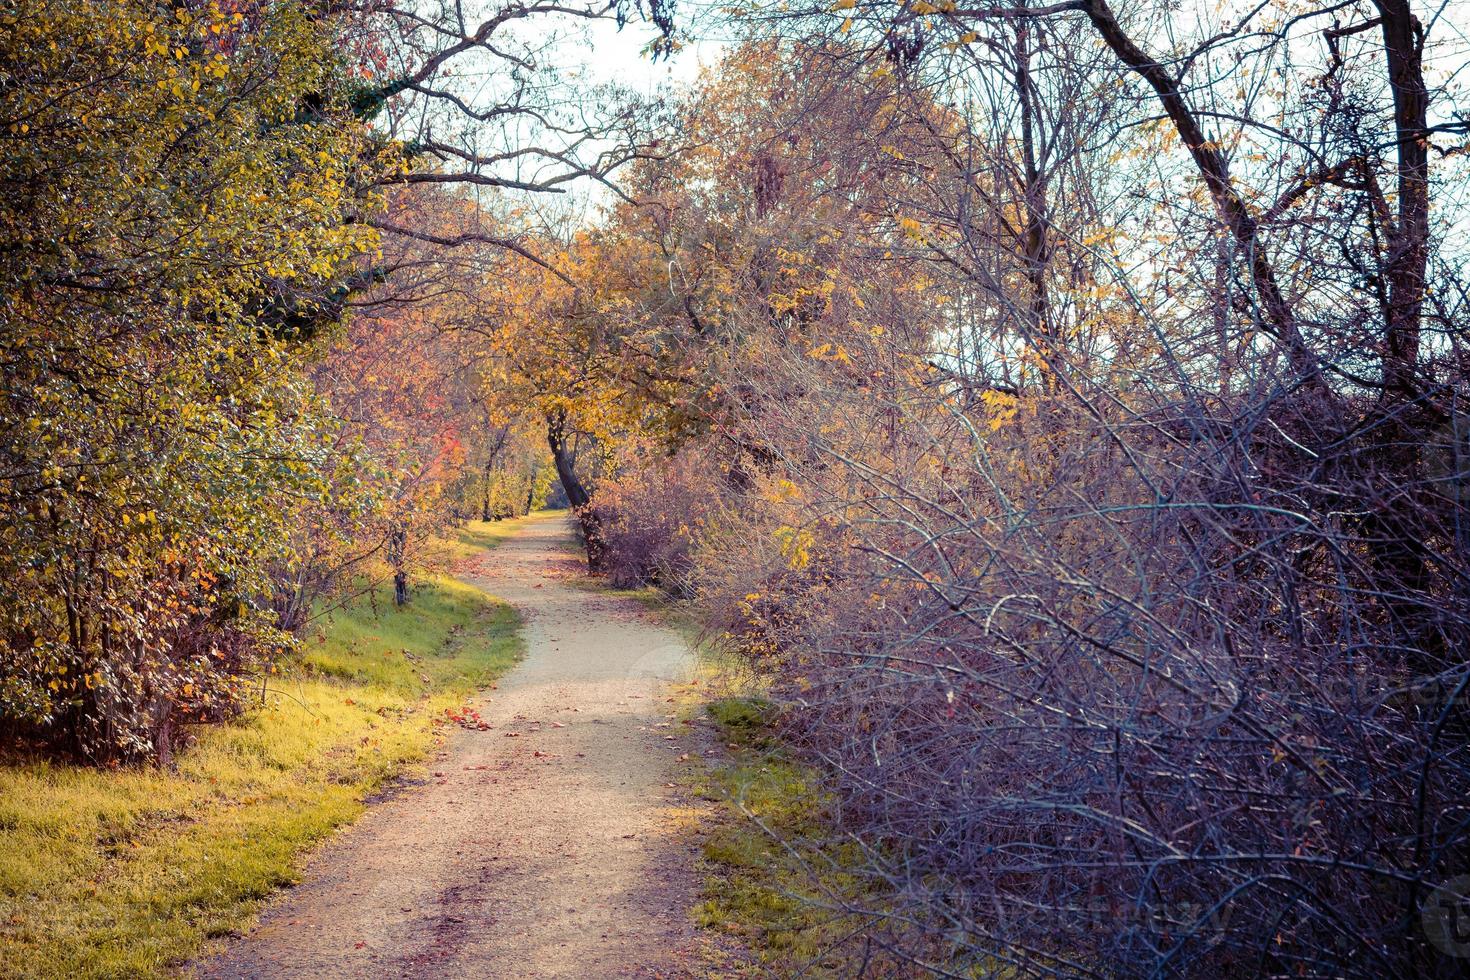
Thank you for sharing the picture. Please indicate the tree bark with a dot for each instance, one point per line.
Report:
(561, 455)
(397, 546)
(577, 496)
(1409, 241)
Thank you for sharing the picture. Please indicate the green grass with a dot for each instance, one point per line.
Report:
(128, 873)
(774, 865)
(482, 535)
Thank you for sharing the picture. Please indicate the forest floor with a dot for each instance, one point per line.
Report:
(552, 834)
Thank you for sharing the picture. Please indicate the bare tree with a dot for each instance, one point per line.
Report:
(1118, 595)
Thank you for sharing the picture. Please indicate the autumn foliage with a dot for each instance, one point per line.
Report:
(1061, 407)
(198, 443)
(1087, 489)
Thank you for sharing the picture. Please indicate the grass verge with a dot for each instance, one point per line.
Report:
(776, 871)
(128, 873)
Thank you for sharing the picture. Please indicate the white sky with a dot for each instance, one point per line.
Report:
(608, 54)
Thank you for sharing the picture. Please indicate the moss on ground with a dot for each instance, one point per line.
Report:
(128, 873)
(777, 874)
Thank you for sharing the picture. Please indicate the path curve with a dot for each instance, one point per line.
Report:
(548, 853)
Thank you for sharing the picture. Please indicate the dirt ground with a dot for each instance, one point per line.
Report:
(547, 845)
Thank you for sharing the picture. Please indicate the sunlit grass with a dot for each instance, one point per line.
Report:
(772, 898)
(128, 873)
(480, 535)
(773, 866)
(773, 863)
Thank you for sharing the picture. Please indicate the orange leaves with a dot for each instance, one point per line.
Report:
(830, 352)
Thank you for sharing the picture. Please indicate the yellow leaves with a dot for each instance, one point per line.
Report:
(912, 229)
(829, 352)
(844, 5)
(1002, 407)
(782, 491)
(795, 545)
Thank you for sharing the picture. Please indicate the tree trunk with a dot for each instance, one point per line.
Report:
(1035, 244)
(485, 500)
(1409, 241)
(561, 455)
(577, 496)
(397, 546)
(485, 512)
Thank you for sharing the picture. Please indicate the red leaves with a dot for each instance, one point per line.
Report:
(467, 718)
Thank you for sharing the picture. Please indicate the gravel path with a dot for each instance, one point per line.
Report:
(545, 846)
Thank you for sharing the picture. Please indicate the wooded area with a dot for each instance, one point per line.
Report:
(1061, 407)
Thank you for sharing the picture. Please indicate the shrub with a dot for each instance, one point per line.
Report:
(167, 216)
(649, 515)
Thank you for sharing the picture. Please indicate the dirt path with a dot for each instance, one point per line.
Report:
(543, 847)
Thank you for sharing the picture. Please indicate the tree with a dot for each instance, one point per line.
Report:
(163, 187)
(1098, 556)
